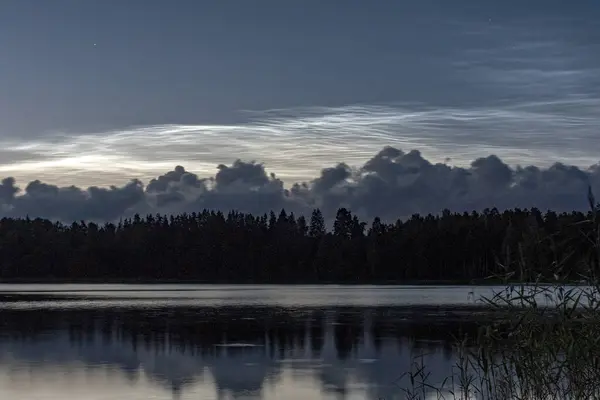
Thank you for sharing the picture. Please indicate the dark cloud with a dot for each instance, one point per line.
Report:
(174, 187)
(241, 175)
(164, 182)
(8, 190)
(245, 187)
(330, 178)
(392, 184)
(71, 203)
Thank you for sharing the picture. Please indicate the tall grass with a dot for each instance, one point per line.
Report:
(544, 345)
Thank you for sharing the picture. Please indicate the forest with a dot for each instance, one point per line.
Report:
(215, 247)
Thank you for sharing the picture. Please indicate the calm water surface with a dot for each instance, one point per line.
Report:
(225, 342)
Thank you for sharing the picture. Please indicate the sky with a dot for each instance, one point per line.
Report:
(95, 93)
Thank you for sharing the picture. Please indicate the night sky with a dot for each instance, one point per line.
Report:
(99, 92)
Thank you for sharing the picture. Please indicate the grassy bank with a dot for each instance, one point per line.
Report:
(531, 352)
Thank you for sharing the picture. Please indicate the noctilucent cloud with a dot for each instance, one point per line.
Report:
(97, 92)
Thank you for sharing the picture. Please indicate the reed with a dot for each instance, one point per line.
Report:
(545, 345)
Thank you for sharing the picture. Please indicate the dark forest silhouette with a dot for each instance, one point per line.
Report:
(241, 248)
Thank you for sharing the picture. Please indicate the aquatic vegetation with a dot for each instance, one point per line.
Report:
(544, 345)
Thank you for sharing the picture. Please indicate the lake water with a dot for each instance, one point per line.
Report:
(225, 342)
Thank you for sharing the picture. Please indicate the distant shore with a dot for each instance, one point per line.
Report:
(473, 282)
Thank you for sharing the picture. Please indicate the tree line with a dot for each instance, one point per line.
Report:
(214, 247)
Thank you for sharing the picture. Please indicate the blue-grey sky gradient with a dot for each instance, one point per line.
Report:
(97, 92)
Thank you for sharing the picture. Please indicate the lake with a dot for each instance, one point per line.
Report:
(226, 341)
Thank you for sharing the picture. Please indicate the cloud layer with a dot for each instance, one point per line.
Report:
(390, 184)
(297, 143)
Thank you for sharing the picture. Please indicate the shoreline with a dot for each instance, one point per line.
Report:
(473, 282)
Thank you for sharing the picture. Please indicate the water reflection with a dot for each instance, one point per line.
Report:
(221, 352)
